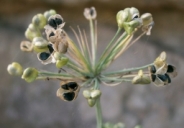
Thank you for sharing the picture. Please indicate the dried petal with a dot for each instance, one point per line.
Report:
(26, 46)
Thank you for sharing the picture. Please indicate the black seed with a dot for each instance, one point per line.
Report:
(169, 79)
(153, 69)
(58, 21)
(69, 96)
(153, 77)
(65, 87)
(135, 17)
(44, 56)
(51, 34)
(91, 12)
(170, 68)
(52, 23)
(72, 85)
(50, 48)
(162, 77)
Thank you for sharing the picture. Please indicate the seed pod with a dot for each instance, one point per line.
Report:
(95, 94)
(90, 13)
(49, 13)
(87, 94)
(15, 69)
(141, 78)
(68, 91)
(39, 20)
(26, 46)
(56, 21)
(40, 44)
(62, 62)
(147, 19)
(129, 19)
(91, 102)
(32, 31)
(61, 47)
(57, 55)
(30, 74)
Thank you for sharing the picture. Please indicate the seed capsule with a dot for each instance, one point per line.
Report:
(15, 69)
(39, 20)
(30, 74)
(68, 91)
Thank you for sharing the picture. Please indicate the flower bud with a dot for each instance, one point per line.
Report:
(91, 102)
(39, 21)
(62, 62)
(40, 44)
(31, 32)
(49, 13)
(30, 74)
(15, 69)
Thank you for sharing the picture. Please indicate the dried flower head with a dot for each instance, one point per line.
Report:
(77, 62)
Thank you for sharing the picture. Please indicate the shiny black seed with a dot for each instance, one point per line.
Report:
(65, 87)
(44, 56)
(135, 17)
(153, 69)
(169, 79)
(72, 85)
(162, 77)
(51, 34)
(50, 48)
(58, 21)
(69, 96)
(170, 69)
(153, 77)
(52, 23)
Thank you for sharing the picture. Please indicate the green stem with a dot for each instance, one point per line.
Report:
(93, 45)
(108, 79)
(120, 72)
(98, 113)
(98, 107)
(101, 63)
(110, 43)
(51, 75)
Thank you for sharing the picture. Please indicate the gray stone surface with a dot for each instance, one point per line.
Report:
(35, 105)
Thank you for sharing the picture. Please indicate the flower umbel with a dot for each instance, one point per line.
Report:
(78, 64)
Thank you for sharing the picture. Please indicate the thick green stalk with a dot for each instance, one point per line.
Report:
(98, 113)
(98, 107)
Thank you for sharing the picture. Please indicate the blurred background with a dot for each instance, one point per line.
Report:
(35, 105)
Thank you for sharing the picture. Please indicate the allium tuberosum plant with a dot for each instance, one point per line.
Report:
(78, 66)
